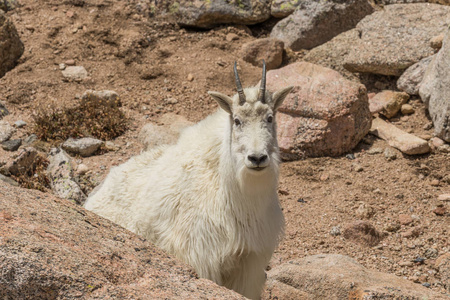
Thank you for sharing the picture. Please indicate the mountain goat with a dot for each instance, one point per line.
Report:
(211, 199)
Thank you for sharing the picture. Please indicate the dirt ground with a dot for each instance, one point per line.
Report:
(148, 62)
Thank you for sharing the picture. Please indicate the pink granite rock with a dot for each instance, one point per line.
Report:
(324, 115)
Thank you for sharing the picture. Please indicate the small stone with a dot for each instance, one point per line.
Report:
(436, 142)
(436, 41)
(84, 146)
(387, 103)
(70, 62)
(392, 227)
(62, 66)
(434, 182)
(70, 14)
(431, 253)
(350, 156)
(20, 124)
(335, 231)
(6, 131)
(373, 151)
(365, 211)
(3, 110)
(171, 101)
(425, 137)
(75, 73)
(444, 197)
(30, 139)
(11, 145)
(407, 109)
(397, 138)
(406, 263)
(324, 177)
(357, 167)
(24, 162)
(231, 37)
(82, 169)
(110, 146)
(440, 211)
(428, 126)
(405, 219)
(190, 77)
(412, 232)
(444, 148)
(390, 154)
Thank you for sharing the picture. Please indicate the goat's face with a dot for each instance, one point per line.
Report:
(252, 120)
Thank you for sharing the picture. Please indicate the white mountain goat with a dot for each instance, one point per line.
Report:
(211, 199)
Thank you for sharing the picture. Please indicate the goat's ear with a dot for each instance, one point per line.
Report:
(279, 96)
(224, 101)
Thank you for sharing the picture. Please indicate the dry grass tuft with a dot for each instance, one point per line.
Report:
(101, 119)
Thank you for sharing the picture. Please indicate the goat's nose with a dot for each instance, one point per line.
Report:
(257, 159)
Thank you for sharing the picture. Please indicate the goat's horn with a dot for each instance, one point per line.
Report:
(262, 87)
(239, 86)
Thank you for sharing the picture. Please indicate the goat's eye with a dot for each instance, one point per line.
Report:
(269, 119)
(237, 122)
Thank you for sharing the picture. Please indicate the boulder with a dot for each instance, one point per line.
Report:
(334, 276)
(61, 174)
(51, 248)
(397, 138)
(387, 103)
(393, 39)
(332, 54)
(435, 90)
(283, 8)
(152, 135)
(413, 76)
(316, 22)
(271, 50)
(11, 47)
(84, 146)
(324, 115)
(207, 14)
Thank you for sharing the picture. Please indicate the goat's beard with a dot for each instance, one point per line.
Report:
(253, 181)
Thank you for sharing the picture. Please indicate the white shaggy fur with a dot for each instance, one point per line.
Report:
(200, 199)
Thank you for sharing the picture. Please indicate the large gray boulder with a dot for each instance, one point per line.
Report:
(207, 14)
(316, 22)
(435, 90)
(11, 47)
(334, 276)
(51, 248)
(324, 115)
(395, 38)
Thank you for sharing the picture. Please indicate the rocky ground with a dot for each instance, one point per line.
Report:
(156, 68)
